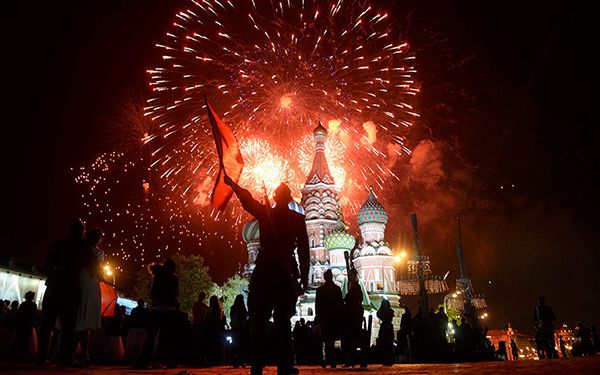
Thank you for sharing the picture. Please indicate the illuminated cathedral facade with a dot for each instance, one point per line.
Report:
(329, 240)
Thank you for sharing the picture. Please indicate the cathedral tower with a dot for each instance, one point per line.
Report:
(320, 199)
(373, 258)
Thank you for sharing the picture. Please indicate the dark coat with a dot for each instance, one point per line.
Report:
(164, 289)
(282, 232)
(329, 305)
(353, 309)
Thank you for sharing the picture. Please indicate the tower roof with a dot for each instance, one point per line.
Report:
(339, 238)
(372, 211)
(319, 172)
(320, 129)
(251, 232)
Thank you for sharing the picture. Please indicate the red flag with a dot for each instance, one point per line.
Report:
(108, 298)
(230, 159)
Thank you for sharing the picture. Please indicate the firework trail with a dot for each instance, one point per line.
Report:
(273, 68)
(118, 193)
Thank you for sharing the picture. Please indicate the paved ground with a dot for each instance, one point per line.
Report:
(590, 365)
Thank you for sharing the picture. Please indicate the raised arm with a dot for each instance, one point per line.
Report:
(254, 207)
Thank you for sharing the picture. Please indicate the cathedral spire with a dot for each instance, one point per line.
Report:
(320, 170)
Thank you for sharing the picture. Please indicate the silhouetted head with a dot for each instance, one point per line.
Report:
(141, 302)
(155, 268)
(169, 265)
(328, 275)
(385, 304)
(302, 321)
(239, 301)
(76, 228)
(201, 296)
(14, 305)
(282, 195)
(94, 236)
(215, 304)
(29, 296)
(541, 300)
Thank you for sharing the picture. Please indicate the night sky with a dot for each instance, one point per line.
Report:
(504, 140)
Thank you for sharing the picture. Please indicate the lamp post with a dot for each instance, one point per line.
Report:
(398, 258)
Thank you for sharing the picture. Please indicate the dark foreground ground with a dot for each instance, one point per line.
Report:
(589, 365)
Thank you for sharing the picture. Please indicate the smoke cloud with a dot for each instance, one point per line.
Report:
(371, 130)
(203, 197)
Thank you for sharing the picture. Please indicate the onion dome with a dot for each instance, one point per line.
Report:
(320, 129)
(384, 250)
(251, 232)
(294, 206)
(339, 238)
(367, 250)
(372, 211)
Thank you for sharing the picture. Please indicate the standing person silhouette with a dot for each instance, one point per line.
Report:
(329, 305)
(385, 340)
(544, 318)
(274, 287)
(90, 301)
(353, 320)
(164, 290)
(61, 299)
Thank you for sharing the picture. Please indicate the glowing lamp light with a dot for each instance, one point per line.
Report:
(403, 254)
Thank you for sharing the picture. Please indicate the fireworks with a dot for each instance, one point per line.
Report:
(263, 168)
(273, 69)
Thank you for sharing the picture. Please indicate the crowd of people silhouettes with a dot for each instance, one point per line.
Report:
(161, 335)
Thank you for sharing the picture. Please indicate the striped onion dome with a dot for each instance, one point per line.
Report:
(371, 211)
(339, 238)
(251, 233)
(294, 206)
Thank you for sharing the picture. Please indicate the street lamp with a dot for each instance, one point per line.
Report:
(398, 258)
(109, 272)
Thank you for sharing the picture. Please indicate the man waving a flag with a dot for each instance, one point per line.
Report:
(231, 162)
(278, 279)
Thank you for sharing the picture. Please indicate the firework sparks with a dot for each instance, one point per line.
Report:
(274, 69)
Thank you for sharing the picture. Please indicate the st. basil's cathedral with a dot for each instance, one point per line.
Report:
(329, 239)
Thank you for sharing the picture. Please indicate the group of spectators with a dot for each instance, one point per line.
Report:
(71, 303)
(161, 335)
